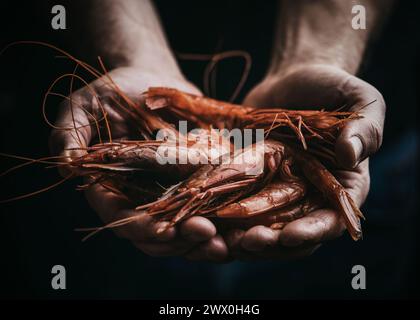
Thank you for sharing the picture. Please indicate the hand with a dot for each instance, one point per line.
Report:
(329, 87)
(110, 207)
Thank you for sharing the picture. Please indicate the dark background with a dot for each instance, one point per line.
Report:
(37, 233)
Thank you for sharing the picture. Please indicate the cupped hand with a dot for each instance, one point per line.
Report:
(329, 87)
(91, 101)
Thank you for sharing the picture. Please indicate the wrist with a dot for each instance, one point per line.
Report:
(286, 67)
(280, 67)
(150, 60)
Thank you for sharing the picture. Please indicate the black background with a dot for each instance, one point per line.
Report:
(37, 233)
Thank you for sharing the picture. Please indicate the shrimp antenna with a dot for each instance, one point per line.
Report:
(72, 75)
(71, 106)
(96, 121)
(211, 67)
(29, 161)
(38, 191)
(83, 64)
(111, 225)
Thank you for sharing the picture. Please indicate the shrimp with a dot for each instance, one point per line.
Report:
(276, 195)
(278, 218)
(332, 190)
(155, 155)
(269, 182)
(214, 189)
(314, 125)
(195, 108)
(323, 180)
(215, 186)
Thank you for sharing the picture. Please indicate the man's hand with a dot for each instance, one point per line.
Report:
(329, 87)
(315, 54)
(128, 36)
(110, 207)
(323, 86)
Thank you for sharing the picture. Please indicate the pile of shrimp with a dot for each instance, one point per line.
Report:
(271, 182)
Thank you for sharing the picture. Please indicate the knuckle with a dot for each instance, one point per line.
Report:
(376, 136)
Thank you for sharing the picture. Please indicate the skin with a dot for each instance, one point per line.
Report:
(313, 64)
(135, 67)
(323, 224)
(316, 55)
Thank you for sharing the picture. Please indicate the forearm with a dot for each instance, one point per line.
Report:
(321, 32)
(126, 32)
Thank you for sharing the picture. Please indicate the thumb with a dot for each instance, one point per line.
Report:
(361, 138)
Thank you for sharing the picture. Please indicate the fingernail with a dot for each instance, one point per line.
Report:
(357, 146)
(162, 227)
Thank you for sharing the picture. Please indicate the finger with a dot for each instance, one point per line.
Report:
(72, 131)
(318, 226)
(259, 237)
(111, 207)
(356, 181)
(214, 250)
(288, 254)
(362, 137)
(233, 239)
(197, 229)
(174, 248)
(278, 253)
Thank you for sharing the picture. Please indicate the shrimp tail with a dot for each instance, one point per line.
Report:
(335, 193)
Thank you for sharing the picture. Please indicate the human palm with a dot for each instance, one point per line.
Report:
(322, 86)
(95, 100)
